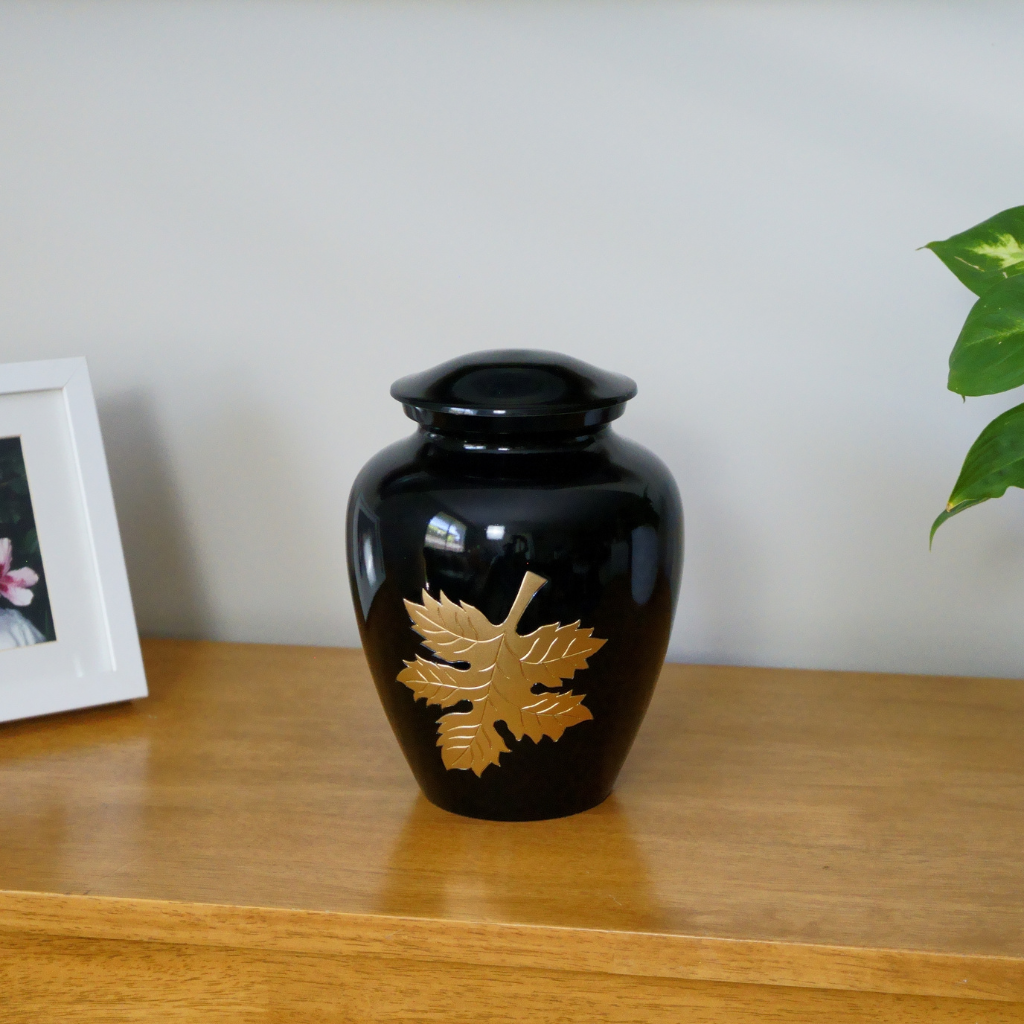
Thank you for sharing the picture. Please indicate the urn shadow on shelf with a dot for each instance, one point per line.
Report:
(515, 565)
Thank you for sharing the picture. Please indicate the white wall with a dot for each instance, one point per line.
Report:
(251, 217)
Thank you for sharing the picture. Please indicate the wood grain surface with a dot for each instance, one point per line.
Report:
(248, 844)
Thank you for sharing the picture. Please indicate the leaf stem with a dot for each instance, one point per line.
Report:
(530, 585)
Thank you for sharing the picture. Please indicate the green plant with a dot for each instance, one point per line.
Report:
(988, 357)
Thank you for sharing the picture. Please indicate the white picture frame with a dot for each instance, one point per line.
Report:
(94, 657)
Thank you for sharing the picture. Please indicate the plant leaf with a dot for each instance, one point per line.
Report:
(503, 669)
(988, 357)
(948, 513)
(990, 251)
(995, 461)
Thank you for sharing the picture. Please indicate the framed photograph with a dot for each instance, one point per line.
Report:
(67, 629)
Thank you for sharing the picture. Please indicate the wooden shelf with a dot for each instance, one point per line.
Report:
(248, 845)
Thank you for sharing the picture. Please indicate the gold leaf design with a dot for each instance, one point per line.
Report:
(503, 669)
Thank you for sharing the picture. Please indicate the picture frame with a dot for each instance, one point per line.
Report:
(68, 637)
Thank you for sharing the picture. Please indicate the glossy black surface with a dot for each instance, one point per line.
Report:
(513, 391)
(596, 515)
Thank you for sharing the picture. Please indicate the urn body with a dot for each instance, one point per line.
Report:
(569, 540)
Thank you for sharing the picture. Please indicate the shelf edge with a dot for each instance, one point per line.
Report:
(637, 954)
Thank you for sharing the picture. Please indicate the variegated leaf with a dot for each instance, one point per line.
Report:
(989, 354)
(989, 252)
(995, 462)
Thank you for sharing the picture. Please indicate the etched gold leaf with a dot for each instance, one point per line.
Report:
(503, 669)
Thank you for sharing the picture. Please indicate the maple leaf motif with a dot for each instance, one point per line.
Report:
(503, 669)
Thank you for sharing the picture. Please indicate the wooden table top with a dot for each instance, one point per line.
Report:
(822, 808)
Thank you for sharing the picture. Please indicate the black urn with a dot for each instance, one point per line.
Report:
(514, 567)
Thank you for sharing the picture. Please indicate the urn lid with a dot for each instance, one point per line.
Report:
(507, 390)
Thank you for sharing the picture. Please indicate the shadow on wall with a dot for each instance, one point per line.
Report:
(269, 509)
(163, 569)
(718, 618)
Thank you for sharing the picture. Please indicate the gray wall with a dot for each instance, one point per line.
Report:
(251, 217)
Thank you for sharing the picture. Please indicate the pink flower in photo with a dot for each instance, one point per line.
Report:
(15, 585)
